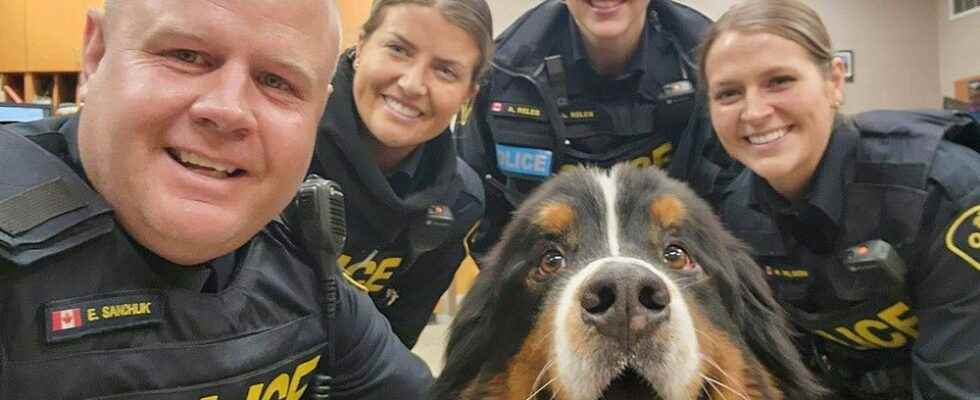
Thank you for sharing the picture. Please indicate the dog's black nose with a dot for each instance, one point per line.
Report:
(624, 301)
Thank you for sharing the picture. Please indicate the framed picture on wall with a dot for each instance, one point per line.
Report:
(847, 56)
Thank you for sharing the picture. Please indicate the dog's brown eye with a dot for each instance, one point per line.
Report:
(551, 262)
(676, 258)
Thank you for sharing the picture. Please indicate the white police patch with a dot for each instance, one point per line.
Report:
(524, 161)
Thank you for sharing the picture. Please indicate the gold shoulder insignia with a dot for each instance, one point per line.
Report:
(963, 237)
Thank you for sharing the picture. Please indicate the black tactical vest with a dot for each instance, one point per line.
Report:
(84, 316)
(541, 122)
(866, 324)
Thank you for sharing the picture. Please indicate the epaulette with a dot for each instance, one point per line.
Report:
(472, 184)
(45, 207)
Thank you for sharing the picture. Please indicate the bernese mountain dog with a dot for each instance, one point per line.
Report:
(620, 284)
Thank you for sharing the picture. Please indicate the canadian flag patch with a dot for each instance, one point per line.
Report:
(66, 319)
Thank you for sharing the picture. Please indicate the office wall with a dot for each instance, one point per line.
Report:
(353, 14)
(959, 47)
(896, 57)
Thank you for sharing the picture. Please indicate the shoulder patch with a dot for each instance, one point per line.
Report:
(963, 237)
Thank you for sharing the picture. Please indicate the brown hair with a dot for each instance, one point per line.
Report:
(789, 19)
(472, 16)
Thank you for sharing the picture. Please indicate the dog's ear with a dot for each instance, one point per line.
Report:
(487, 330)
(762, 322)
(765, 326)
(468, 340)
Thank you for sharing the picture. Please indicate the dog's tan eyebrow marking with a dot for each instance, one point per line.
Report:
(668, 211)
(555, 218)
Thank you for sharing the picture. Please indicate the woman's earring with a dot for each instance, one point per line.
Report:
(356, 64)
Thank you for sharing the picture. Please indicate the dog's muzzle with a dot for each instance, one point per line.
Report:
(624, 301)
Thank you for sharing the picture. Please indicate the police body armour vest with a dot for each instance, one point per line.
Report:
(84, 316)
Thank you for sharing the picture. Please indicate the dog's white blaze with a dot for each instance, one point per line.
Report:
(609, 192)
(575, 368)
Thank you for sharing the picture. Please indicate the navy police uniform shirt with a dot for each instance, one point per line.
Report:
(931, 329)
(386, 212)
(544, 108)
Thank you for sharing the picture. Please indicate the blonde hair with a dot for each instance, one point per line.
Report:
(789, 19)
(472, 16)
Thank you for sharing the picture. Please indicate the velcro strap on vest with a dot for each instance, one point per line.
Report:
(38, 204)
(45, 207)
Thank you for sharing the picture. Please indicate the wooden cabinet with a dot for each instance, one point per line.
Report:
(54, 30)
(42, 35)
(42, 49)
(13, 29)
(353, 14)
(962, 88)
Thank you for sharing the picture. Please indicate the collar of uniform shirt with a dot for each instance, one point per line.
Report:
(402, 177)
(70, 133)
(828, 185)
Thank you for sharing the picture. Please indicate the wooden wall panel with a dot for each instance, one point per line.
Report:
(54, 33)
(353, 14)
(13, 51)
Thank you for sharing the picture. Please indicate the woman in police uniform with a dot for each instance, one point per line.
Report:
(384, 137)
(576, 82)
(867, 219)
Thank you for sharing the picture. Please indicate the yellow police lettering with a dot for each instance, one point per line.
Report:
(302, 370)
(367, 265)
(278, 387)
(91, 314)
(661, 154)
(894, 327)
(382, 273)
(852, 337)
(125, 310)
(832, 338)
(283, 387)
(894, 316)
(865, 327)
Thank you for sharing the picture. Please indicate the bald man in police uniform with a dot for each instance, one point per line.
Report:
(137, 256)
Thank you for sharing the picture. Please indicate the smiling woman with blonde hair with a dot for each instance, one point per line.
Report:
(870, 223)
